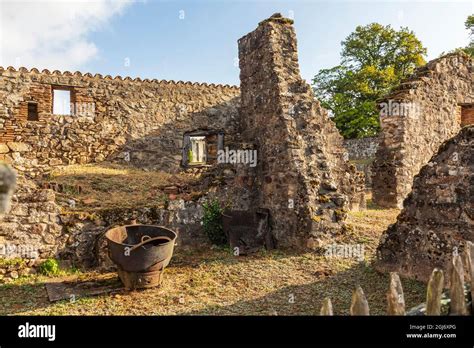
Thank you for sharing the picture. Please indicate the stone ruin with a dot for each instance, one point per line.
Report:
(141, 122)
(301, 177)
(422, 122)
(361, 153)
(416, 118)
(32, 228)
(438, 215)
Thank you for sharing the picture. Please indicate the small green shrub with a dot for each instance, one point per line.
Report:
(212, 222)
(50, 267)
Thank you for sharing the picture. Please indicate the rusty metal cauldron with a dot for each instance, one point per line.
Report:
(141, 253)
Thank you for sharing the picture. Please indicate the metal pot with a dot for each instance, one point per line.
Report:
(138, 248)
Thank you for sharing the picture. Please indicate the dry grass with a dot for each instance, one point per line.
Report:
(105, 185)
(215, 282)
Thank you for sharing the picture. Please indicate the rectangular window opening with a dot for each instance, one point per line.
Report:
(33, 111)
(200, 148)
(467, 114)
(61, 101)
(197, 150)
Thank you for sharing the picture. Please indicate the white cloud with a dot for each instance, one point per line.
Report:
(52, 34)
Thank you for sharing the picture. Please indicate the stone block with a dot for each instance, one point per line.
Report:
(19, 147)
(19, 209)
(4, 149)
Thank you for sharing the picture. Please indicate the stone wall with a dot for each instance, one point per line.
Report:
(37, 228)
(438, 215)
(362, 155)
(301, 176)
(142, 122)
(32, 229)
(86, 244)
(135, 120)
(416, 118)
(361, 149)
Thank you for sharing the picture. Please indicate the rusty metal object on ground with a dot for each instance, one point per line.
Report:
(141, 253)
(248, 230)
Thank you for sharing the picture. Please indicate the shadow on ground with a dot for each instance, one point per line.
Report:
(301, 299)
(307, 299)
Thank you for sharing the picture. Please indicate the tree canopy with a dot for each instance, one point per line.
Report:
(374, 59)
(470, 26)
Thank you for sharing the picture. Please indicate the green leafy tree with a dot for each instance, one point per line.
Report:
(374, 59)
(470, 26)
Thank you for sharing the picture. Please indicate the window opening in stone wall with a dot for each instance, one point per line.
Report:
(467, 114)
(32, 111)
(201, 147)
(197, 153)
(61, 101)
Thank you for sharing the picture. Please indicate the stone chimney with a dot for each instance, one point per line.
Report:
(302, 175)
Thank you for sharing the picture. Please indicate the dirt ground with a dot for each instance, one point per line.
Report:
(106, 185)
(213, 281)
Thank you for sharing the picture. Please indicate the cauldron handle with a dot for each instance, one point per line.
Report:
(145, 236)
(146, 241)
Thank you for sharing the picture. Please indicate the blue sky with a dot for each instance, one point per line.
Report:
(197, 40)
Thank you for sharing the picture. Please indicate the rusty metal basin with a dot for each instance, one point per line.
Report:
(141, 253)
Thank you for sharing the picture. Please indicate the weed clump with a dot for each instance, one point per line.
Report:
(212, 222)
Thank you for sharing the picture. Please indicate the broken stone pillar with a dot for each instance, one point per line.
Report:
(302, 175)
(438, 215)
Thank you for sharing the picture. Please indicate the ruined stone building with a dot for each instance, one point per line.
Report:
(416, 118)
(438, 215)
(50, 119)
(425, 161)
(144, 121)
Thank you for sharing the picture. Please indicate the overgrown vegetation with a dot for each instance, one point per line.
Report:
(4, 262)
(212, 222)
(49, 267)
